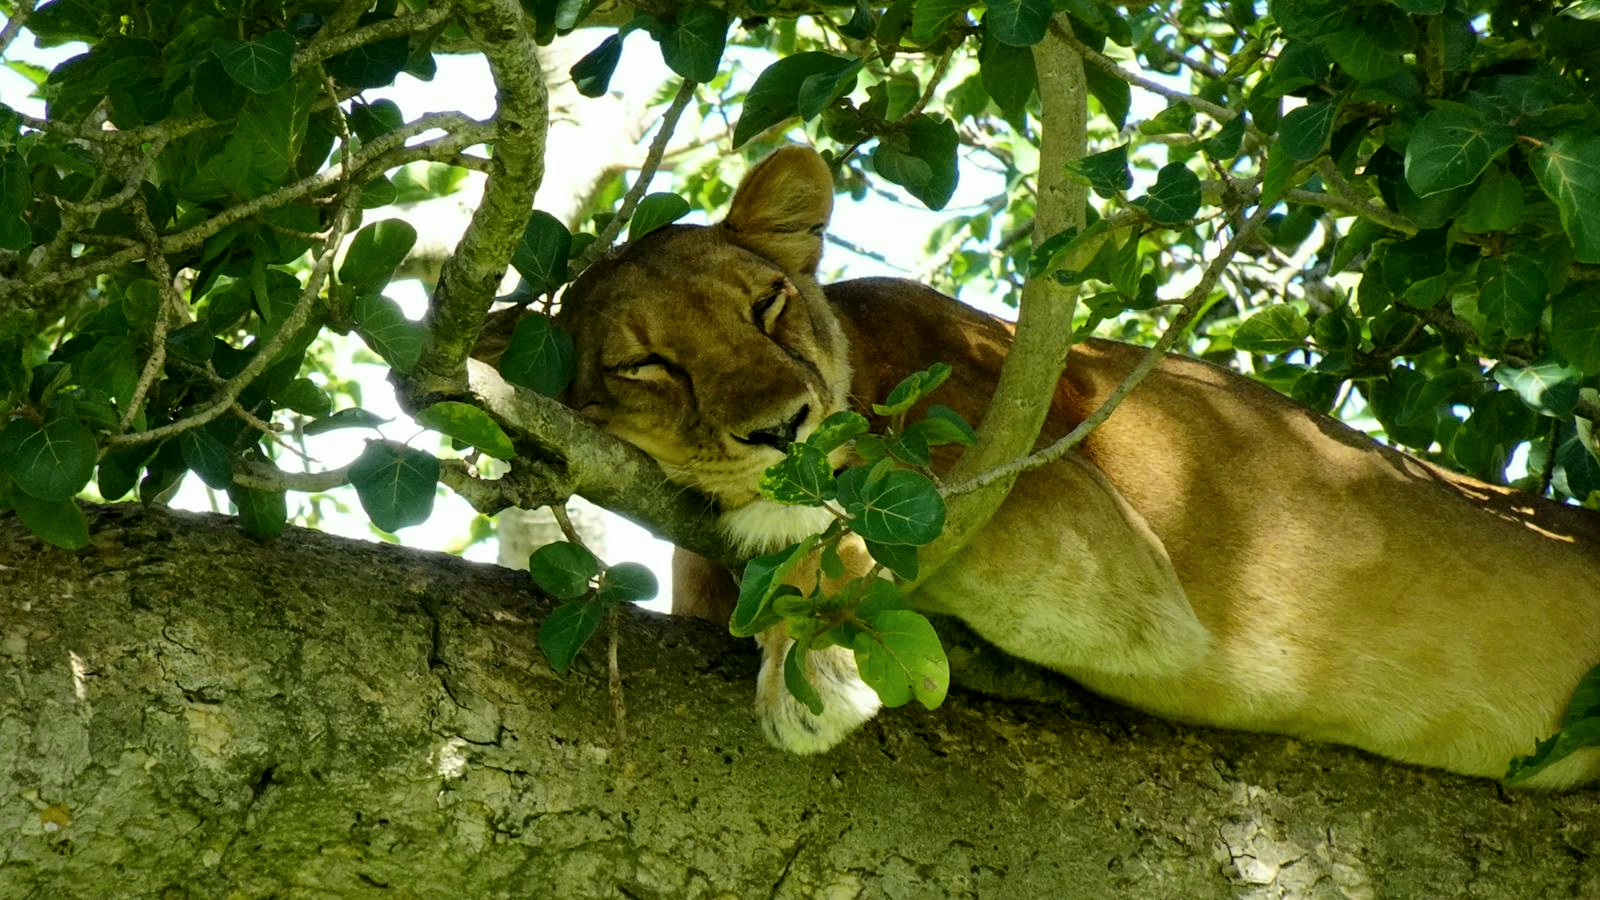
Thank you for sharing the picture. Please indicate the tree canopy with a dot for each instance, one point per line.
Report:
(1389, 210)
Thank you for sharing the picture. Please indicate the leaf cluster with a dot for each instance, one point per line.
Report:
(893, 504)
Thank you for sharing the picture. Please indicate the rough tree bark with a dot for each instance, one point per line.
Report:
(184, 712)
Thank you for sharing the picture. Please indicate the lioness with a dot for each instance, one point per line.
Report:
(1214, 553)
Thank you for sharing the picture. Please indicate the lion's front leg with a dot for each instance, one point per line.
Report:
(847, 701)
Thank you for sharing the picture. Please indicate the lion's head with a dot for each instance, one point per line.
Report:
(712, 348)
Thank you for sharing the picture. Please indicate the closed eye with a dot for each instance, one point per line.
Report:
(651, 367)
(766, 311)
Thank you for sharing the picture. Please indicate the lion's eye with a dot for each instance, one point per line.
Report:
(766, 311)
(645, 368)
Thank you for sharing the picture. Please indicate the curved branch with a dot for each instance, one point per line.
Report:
(1190, 310)
(1044, 322)
(471, 276)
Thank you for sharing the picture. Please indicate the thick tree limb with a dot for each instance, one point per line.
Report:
(184, 706)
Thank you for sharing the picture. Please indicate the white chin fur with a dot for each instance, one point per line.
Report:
(764, 526)
(847, 702)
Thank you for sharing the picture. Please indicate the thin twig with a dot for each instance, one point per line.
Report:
(933, 82)
(13, 26)
(1191, 306)
(647, 172)
(384, 152)
(267, 353)
(156, 261)
(619, 705)
(332, 43)
(1106, 64)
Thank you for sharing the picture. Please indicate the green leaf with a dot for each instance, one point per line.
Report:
(804, 478)
(1304, 132)
(378, 249)
(1114, 94)
(762, 580)
(901, 559)
(930, 18)
(901, 507)
(1020, 23)
(1580, 728)
(374, 64)
(16, 193)
(775, 95)
(563, 569)
(262, 514)
(540, 357)
(566, 629)
(59, 522)
(912, 389)
(1547, 385)
(1496, 204)
(818, 92)
(469, 425)
(899, 656)
(1175, 119)
(1008, 74)
(1511, 293)
(1577, 472)
(837, 430)
(52, 462)
(922, 159)
(1568, 169)
(692, 45)
(1451, 147)
(592, 74)
(940, 428)
(263, 65)
(1107, 171)
(387, 331)
(208, 457)
(794, 677)
(1175, 197)
(1226, 142)
(304, 397)
(628, 582)
(396, 484)
(1361, 52)
(541, 256)
(655, 211)
(1575, 327)
(345, 418)
(1276, 329)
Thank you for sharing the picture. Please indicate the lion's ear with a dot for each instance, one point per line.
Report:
(782, 207)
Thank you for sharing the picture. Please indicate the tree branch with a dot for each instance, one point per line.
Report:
(471, 276)
(1190, 309)
(647, 172)
(1044, 322)
(382, 153)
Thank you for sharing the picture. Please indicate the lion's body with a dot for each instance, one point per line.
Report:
(1215, 553)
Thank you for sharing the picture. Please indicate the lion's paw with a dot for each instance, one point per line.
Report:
(847, 701)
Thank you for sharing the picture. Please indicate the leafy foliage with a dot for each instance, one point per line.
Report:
(807, 586)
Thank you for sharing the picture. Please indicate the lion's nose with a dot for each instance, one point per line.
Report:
(778, 437)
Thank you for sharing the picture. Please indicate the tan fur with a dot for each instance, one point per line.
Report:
(1215, 553)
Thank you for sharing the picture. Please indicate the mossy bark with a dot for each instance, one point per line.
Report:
(187, 713)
